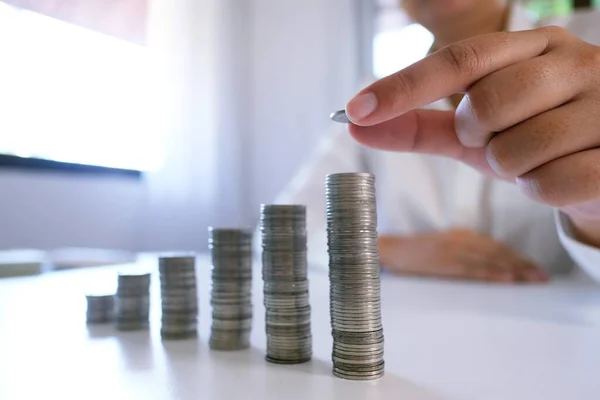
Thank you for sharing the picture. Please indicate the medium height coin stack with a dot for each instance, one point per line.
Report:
(286, 298)
(354, 276)
(179, 298)
(133, 302)
(231, 295)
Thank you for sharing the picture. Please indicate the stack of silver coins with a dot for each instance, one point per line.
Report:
(133, 302)
(354, 276)
(100, 308)
(286, 298)
(231, 294)
(178, 296)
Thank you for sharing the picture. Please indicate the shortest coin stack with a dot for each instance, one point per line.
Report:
(100, 308)
(231, 295)
(133, 302)
(179, 298)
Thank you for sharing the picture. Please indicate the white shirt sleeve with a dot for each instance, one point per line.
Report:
(338, 152)
(586, 256)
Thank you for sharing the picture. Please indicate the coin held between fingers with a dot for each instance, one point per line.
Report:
(339, 116)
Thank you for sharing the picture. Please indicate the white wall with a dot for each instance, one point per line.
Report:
(307, 62)
(44, 210)
(181, 199)
(253, 84)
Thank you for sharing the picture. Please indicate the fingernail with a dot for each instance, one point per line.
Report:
(361, 106)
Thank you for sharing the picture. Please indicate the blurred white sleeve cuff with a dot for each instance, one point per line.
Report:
(586, 256)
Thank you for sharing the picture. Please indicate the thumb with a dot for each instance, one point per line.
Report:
(421, 131)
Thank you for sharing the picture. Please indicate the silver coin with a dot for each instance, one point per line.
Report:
(368, 285)
(179, 318)
(132, 325)
(133, 281)
(132, 302)
(291, 347)
(229, 335)
(172, 328)
(300, 312)
(360, 315)
(174, 303)
(232, 309)
(228, 345)
(365, 317)
(357, 362)
(294, 301)
(304, 345)
(352, 369)
(359, 376)
(358, 344)
(178, 277)
(349, 300)
(100, 300)
(339, 116)
(342, 350)
(288, 355)
(305, 338)
(356, 327)
(234, 300)
(231, 324)
(170, 270)
(100, 308)
(286, 286)
(365, 306)
(179, 335)
(293, 360)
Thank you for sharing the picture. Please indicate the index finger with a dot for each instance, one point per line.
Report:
(448, 71)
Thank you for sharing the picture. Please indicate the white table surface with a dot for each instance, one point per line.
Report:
(443, 340)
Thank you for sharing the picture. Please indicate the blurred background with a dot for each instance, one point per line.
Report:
(133, 125)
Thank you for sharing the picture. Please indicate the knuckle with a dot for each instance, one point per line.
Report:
(463, 57)
(500, 158)
(541, 190)
(590, 61)
(485, 104)
(402, 87)
(554, 31)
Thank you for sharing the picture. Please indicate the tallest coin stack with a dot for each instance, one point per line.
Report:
(354, 276)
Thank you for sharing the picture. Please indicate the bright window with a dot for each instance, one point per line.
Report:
(398, 43)
(73, 95)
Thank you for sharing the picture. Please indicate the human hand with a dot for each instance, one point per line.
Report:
(530, 114)
(457, 254)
